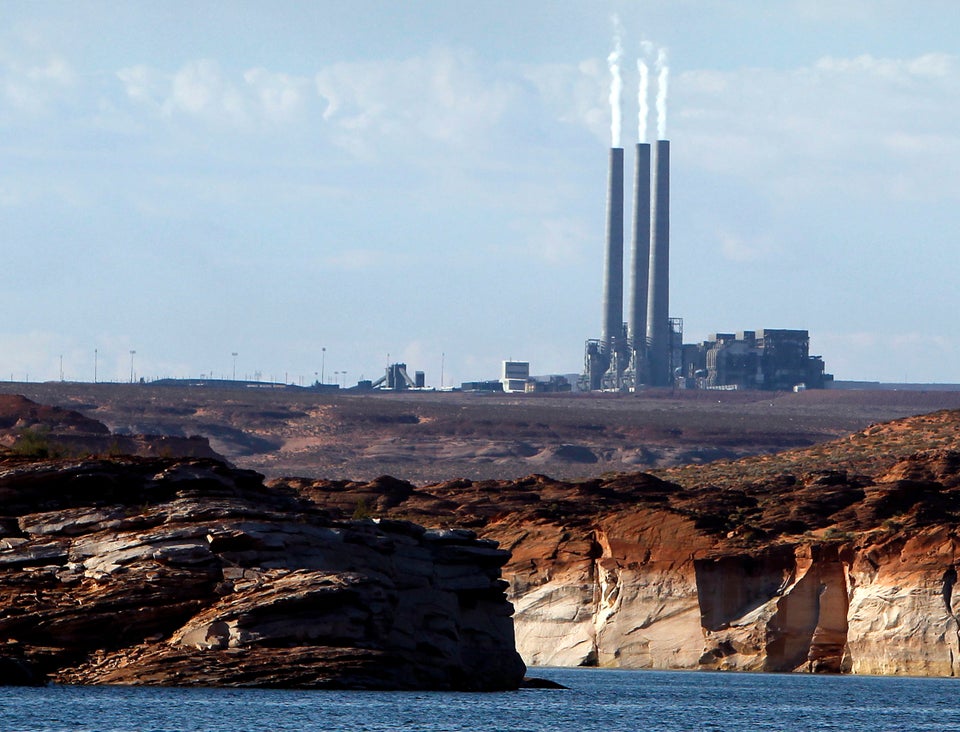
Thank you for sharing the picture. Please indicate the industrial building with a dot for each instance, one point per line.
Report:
(648, 349)
(515, 375)
(769, 359)
(396, 378)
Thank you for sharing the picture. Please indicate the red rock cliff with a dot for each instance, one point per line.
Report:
(815, 570)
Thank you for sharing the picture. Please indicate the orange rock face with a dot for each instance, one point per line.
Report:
(825, 571)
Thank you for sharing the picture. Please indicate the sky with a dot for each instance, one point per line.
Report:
(329, 186)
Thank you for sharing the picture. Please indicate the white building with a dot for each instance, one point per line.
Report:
(515, 376)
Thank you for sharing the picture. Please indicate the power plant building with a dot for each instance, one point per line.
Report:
(514, 376)
(648, 349)
(644, 350)
(769, 359)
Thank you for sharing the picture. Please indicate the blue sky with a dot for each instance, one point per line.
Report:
(425, 182)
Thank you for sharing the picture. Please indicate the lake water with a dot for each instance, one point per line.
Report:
(612, 701)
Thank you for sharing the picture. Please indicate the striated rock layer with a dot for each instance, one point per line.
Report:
(821, 571)
(164, 571)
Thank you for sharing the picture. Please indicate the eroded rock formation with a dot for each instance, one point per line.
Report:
(166, 571)
(821, 571)
(41, 431)
(842, 558)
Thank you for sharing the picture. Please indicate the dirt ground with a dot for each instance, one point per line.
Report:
(427, 437)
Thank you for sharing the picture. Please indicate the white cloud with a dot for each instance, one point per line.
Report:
(354, 259)
(9, 196)
(740, 248)
(441, 98)
(201, 90)
(143, 84)
(281, 96)
(933, 65)
(861, 126)
(35, 87)
(576, 94)
(831, 12)
(558, 241)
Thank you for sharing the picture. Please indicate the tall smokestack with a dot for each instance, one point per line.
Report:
(658, 298)
(641, 250)
(613, 269)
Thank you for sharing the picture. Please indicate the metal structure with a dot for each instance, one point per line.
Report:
(638, 351)
(658, 294)
(649, 348)
(770, 359)
(613, 266)
(637, 321)
(396, 378)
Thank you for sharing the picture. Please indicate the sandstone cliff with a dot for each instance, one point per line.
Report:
(795, 566)
(164, 571)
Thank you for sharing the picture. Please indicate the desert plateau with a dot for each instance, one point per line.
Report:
(425, 437)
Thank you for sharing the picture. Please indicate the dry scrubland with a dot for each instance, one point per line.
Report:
(431, 437)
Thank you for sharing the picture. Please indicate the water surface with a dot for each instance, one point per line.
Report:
(606, 700)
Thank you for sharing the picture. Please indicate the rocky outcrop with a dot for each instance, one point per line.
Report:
(38, 430)
(822, 571)
(840, 559)
(165, 571)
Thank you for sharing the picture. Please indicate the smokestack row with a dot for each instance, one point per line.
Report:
(648, 326)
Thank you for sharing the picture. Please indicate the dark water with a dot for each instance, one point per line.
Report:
(612, 701)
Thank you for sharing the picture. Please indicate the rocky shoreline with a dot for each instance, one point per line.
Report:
(188, 572)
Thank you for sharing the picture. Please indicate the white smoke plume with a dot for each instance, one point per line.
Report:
(616, 83)
(663, 71)
(642, 98)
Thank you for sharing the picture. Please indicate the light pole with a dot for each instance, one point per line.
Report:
(234, 354)
(95, 354)
(132, 354)
(323, 361)
(61, 367)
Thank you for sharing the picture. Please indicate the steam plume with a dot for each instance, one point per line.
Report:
(642, 96)
(616, 83)
(663, 72)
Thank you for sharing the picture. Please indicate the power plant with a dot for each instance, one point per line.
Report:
(645, 349)
(648, 349)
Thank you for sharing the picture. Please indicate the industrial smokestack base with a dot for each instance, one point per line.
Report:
(658, 297)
